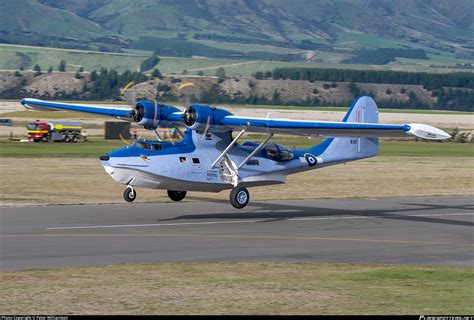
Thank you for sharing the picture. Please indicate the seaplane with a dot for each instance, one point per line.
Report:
(208, 156)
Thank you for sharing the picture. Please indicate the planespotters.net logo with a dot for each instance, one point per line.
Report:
(446, 318)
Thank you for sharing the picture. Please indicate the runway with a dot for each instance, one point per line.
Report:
(421, 230)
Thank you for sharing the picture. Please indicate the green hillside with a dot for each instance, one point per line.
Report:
(333, 29)
(30, 22)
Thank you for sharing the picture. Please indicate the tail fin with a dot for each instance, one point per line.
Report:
(363, 110)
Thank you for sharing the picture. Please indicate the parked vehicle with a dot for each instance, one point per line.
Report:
(57, 131)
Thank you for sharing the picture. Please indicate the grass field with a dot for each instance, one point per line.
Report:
(239, 288)
(12, 57)
(83, 180)
(46, 57)
(97, 146)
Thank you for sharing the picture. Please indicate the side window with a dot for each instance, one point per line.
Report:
(183, 159)
(252, 162)
(196, 160)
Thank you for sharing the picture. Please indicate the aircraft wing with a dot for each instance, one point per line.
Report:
(146, 113)
(333, 129)
(36, 104)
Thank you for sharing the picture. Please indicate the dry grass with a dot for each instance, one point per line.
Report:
(83, 180)
(239, 288)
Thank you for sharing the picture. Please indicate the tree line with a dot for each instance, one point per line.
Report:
(429, 80)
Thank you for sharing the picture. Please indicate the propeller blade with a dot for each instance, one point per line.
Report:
(186, 94)
(124, 141)
(128, 92)
(208, 122)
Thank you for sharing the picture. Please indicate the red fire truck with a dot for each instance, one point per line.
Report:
(58, 131)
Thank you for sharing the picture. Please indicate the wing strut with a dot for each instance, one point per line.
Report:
(228, 147)
(157, 135)
(257, 149)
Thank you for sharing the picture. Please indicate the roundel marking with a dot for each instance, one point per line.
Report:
(310, 159)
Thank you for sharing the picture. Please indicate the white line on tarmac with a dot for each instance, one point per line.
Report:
(259, 220)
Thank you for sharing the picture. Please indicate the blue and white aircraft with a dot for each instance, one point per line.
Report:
(209, 157)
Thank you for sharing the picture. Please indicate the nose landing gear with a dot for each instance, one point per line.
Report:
(239, 197)
(129, 194)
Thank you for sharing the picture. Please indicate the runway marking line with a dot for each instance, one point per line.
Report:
(252, 221)
(230, 236)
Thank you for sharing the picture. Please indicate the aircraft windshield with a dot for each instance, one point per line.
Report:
(148, 145)
(278, 152)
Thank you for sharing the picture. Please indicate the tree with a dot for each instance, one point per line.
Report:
(77, 75)
(93, 75)
(388, 91)
(62, 66)
(81, 69)
(37, 70)
(149, 63)
(50, 69)
(220, 73)
(156, 73)
(200, 73)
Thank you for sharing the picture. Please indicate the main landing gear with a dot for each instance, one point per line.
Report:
(129, 194)
(176, 195)
(239, 197)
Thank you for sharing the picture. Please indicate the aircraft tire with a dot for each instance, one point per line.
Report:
(239, 197)
(176, 195)
(129, 194)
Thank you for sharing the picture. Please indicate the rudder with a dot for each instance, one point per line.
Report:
(363, 110)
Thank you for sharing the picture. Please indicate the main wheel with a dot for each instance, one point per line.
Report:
(129, 194)
(176, 195)
(239, 197)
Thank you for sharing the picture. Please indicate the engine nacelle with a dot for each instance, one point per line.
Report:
(151, 115)
(202, 118)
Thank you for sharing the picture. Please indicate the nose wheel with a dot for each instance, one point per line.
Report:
(129, 194)
(239, 197)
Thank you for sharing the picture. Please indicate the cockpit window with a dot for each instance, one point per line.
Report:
(278, 152)
(148, 145)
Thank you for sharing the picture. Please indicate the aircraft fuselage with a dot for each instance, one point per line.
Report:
(187, 165)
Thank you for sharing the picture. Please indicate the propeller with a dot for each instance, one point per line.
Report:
(189, 114)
